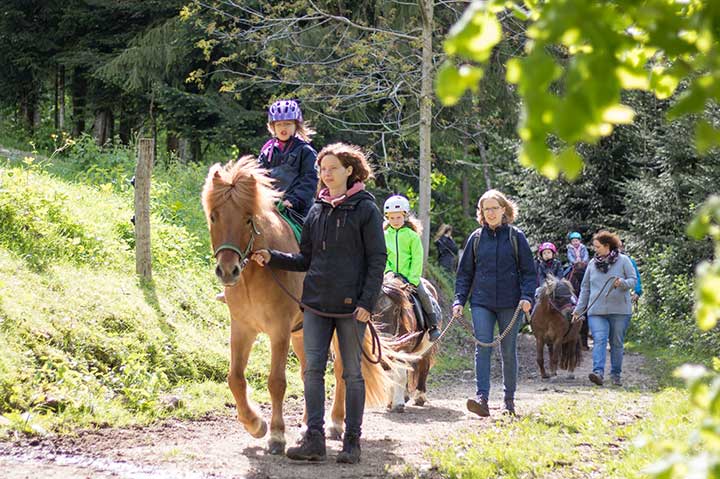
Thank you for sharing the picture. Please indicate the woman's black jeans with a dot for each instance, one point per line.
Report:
(318, 331)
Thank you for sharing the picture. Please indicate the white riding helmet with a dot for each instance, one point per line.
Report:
(397, 203)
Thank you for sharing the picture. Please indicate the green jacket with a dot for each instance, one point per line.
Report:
(405, 253)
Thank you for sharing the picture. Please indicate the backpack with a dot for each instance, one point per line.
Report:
(513, 243)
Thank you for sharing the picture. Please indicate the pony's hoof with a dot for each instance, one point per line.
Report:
(260, 431)
(398, 408)
(407, 397)
(276, 448)
(335, 433)
(420, 400)
(571, 376)
(546, 376)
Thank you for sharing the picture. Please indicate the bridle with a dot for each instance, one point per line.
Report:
(244, 254)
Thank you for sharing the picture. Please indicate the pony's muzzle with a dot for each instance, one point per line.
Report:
(228, 272)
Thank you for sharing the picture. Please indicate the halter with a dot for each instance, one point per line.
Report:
(244, 255)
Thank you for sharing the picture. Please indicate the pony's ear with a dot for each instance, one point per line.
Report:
(215, 171)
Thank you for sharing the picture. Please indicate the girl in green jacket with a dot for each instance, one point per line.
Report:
(405, 254)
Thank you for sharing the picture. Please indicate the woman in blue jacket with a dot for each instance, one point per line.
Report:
(497, 272)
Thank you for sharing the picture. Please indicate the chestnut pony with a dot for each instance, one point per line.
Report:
(397, 320)
(239, 203)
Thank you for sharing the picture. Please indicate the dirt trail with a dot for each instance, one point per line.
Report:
(218, 447)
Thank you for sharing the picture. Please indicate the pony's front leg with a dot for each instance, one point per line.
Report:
(277, 384)
(337, 416)
(399, 387)
(540, 351)
(241, 341)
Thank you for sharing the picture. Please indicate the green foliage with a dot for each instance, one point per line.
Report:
(699, 456)
(579, 57)
(589, 434)
(84, 342)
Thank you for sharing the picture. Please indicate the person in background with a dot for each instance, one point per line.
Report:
(605, 298)
(405, 254)
(576, 251)
(446, 248)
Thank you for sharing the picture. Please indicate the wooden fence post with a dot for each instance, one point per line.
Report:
(143, 173)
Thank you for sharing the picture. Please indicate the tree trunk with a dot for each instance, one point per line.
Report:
(466, 196)
(195, 150)
(125, 127)
(79, 97)
(56, 104)
(465, 185)
(103, 126)
(61, 98)
(426, 9)
(172, 144)
(486, 165)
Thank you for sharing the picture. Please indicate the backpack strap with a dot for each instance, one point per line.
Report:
(513, 243)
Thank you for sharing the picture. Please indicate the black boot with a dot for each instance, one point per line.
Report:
(433, 331)
(310, 448)
(350, 453)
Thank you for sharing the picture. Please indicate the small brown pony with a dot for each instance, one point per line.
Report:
(397, 320)
(552, 326)
(239, 203)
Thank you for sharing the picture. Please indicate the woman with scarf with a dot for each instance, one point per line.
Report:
(605, 293)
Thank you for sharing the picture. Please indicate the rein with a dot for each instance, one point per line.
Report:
(245, 259)
(373, 332)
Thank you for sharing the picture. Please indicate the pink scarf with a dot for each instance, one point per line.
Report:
(337, 200)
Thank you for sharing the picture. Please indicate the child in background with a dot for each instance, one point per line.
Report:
(405, 253)
(576, 251)
(547, 263)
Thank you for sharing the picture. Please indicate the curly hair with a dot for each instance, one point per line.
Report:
(349, 155)
(511, 209)
(608, 239)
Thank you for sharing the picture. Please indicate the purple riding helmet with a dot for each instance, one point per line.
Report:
(284, 110)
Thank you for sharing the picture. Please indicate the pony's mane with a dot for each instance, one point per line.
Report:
(550, 285)
(244, 183)
(397, 290)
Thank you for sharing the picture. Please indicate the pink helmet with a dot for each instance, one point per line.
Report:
(549, 246)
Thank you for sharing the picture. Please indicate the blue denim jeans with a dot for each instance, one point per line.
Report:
(604, 328)
(484, 325)
(318, 331)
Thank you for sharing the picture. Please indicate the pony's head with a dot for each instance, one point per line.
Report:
(557, 291)
(233, 197)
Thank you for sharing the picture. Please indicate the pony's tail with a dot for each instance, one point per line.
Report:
(377, 377)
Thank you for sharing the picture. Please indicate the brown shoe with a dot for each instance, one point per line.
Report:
(478, 406)
(596, 378)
